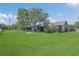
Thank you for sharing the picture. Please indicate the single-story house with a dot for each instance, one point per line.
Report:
(61, 26)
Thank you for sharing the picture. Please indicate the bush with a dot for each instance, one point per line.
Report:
(72, 27)
(49, 29)
(76, 25)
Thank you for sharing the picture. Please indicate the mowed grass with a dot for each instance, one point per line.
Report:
(39, 44)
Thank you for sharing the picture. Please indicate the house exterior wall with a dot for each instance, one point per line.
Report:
(65, 28)
(61, 28)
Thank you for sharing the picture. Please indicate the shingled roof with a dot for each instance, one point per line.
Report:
(60, 23)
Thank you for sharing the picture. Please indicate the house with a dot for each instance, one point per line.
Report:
(61, 26)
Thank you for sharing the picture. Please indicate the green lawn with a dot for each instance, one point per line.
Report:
(39, 44)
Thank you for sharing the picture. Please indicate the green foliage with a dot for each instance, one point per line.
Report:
(37, 15)
(49, 29)
(2, 26)
(13, 27)
(22, 18)
(30, 18)
(72, 27)
(76, 25)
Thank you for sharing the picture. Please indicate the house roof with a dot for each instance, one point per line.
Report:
(60, 23)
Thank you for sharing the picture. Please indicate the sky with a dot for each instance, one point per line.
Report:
(57, 11)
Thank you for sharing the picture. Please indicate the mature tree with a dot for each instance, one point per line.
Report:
(36, 15)
(22, 18)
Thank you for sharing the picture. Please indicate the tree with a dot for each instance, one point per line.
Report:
(36, 15)
(72, 27)
(76, 25)
(13, 27)
(2, 26)
(22, 18)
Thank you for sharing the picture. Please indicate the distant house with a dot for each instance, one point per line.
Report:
(61, 26)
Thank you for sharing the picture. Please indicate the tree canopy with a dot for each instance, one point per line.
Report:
(76, 25)
(22, 18)
(30, 17)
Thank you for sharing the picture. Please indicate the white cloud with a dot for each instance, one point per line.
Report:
(73, 5)
(2, 21)
(51, 20)
(11, 16)
(7, 15)
(3, 15)
(4, 18)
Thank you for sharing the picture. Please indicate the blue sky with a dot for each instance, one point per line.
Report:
(57, 11)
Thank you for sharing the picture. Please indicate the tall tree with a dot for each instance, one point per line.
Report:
(36, 15)
(22, 18)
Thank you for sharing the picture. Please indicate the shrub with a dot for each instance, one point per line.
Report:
(72, 27)
(49, 29)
